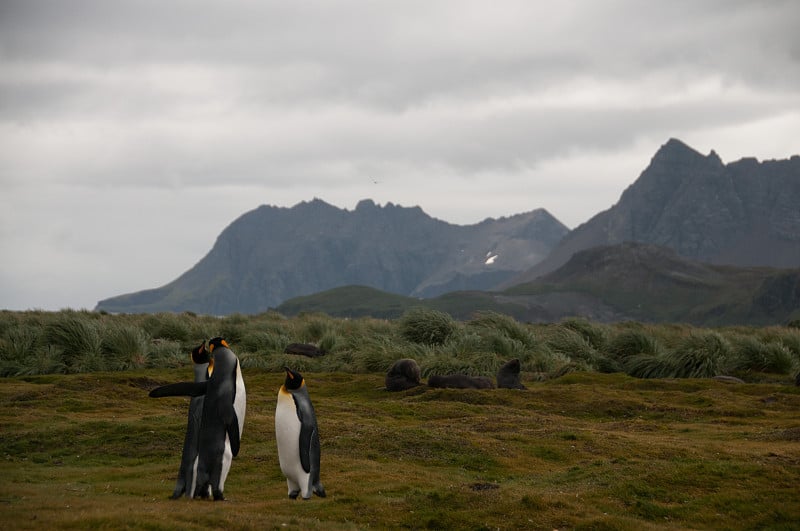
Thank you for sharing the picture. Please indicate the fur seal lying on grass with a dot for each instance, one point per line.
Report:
(304, 349)
(404, 374)
(508, 376)
(460, 381)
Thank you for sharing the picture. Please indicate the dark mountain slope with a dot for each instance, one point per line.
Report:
(271, 254)
(745, 213)
(630, 281)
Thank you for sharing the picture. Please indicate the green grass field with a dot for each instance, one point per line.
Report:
(585, 451)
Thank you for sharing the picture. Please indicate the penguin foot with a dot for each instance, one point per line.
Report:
(319, 490)
(218, 496)
(293, 494)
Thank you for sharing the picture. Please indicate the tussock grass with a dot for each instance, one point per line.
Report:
(631, 342)
(752, 354)
(503, 325)
(593, 333)
(168, 326)
(74, 342)
(79, 341)
(701, 355)
(649, 366)
(426, 326)
(126, 347)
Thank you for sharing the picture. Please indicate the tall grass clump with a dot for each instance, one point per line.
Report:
(233, 327)
(504, 346)
(505, 325)
(649, 366)
(328, 341)
(263, 341)
(24, 352)
(8, 321)
(701, 355)
(752, 354)
(16, 345)
(126, 347)
(595, 334)
(78, 338)
(378, 354)
(168, 326)
(427, 326)
(632, 342)
(788, 337)
(46, 360)
(315, 329)
(169, 354)
(572, 344)
(442, 363)
(543, 360)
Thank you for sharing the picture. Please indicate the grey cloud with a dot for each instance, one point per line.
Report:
(466, 108)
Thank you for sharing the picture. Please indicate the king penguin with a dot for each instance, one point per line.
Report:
(188, 471)
(222, 420)
(297, 436)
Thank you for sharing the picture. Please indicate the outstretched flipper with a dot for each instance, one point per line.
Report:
(180, 389)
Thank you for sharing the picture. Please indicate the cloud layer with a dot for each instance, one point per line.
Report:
(132, 133)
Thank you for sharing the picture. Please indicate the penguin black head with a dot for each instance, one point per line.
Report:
(200, 354)
(294, 380)
(216, 342)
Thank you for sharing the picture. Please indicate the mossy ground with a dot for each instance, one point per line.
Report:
(586, 451)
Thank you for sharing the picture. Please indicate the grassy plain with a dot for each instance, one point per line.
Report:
(584, 451)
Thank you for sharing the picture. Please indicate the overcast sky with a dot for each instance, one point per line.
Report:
(133, 132)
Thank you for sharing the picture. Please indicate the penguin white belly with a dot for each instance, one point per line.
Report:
(239, 404)
(190, 488)
(227, 458)
(287, 434)
(240, 400)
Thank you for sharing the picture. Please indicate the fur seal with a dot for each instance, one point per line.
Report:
(508, 375)
(460, 381)
(403, 374)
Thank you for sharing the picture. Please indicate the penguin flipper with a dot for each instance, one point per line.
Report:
(307, 432)
(232, 428)
(180, 389)
(314, 458)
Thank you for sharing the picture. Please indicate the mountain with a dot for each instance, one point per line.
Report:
(271, 254)
(745, 213)
(630, 281)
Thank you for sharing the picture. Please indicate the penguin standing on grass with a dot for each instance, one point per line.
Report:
(297, 436)
(188, 470)
(222, 420)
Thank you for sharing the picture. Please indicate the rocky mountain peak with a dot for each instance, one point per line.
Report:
(272, 254)
(745, 213)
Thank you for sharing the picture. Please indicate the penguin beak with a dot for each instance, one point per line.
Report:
(289, 373)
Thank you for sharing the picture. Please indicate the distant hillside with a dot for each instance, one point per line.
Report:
(629, 281)
(272, 254)
(746, 213)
